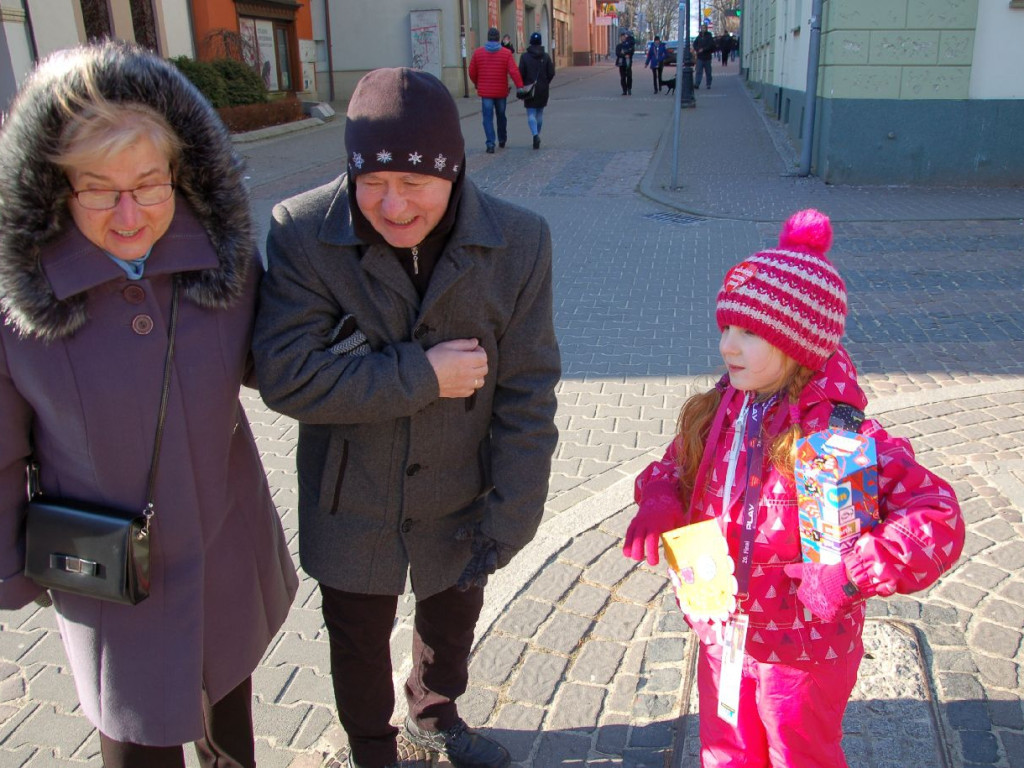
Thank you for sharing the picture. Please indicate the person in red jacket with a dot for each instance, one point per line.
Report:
(489, 69)
(775, 674)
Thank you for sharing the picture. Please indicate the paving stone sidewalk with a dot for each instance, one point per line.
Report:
(581, 657)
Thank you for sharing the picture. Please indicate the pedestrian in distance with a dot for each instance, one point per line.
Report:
(704, 48)
(490, 69)
(506, 42)
(406, 323)
(655, 60)
(724, 45)
(125, 215)
(624, 61)
(792, 645)
(537, 69)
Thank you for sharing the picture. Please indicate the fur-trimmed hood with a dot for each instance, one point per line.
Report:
(34, 192)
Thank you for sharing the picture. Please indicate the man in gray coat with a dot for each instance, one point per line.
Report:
(406, 322)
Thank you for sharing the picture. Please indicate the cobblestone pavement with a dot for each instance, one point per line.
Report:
(581, 657)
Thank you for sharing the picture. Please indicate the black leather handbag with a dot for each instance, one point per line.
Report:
(527, 91)
(92, 549)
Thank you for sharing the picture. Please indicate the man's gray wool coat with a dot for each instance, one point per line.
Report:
(388, 471)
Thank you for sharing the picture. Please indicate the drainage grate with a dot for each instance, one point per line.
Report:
(674, 218)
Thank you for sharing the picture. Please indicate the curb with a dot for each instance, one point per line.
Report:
(662, 194)
(273, 131)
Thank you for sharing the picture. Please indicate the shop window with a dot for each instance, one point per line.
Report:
(267, 47)
(284, 59)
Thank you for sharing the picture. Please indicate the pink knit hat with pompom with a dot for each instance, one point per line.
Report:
(791, 296)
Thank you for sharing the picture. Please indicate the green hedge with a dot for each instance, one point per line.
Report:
(245, 86)
(225, 82)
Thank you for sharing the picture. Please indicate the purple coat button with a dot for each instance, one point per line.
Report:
(142, 324)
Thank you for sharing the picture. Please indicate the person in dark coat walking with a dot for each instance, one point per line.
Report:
(121, 188)
(537, 68)
(704, 47)
(724, 48)
(406, 322)
(624, 61)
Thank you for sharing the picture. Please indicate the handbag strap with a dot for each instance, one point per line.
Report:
(165, 391)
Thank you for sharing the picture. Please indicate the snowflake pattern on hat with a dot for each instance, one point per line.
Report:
(385, 157)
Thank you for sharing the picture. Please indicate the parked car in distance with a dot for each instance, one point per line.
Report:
(671, 47)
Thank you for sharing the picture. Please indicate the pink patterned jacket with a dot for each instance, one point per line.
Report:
(921, 533)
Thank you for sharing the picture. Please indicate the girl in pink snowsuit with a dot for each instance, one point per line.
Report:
(782, 313)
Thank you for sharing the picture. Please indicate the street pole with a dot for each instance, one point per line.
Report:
(811, 96)
(686, 87)
(676, 108)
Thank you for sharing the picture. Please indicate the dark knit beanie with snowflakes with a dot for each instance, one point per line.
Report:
(403, 120)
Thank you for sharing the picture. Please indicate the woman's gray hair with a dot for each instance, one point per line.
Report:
(102, 128)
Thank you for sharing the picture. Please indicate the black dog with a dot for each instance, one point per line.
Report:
(670, 84)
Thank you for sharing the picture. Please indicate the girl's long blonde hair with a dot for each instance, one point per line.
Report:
(694, 426)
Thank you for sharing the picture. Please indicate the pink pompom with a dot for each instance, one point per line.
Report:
(807, 230)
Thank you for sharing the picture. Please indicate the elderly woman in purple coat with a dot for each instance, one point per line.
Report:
(118, 180)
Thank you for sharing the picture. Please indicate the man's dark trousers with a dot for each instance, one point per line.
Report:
(359, 627)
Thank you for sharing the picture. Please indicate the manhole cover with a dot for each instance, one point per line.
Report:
(673, 218)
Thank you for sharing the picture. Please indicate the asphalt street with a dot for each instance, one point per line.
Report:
(582, 658)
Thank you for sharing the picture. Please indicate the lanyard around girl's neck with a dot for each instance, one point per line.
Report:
(753, 437)
(752, 495)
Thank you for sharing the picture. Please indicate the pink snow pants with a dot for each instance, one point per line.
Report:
(789, 717)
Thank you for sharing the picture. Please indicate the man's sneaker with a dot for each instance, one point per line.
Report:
(490, 149)
(501, 144)
(463, 747)
(536, 142)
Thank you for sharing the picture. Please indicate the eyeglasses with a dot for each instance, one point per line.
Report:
(105, 199)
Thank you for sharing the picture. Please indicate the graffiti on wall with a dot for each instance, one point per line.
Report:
(425, 31)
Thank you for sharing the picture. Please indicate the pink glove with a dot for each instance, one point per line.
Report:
(656, 516)
(825, 590)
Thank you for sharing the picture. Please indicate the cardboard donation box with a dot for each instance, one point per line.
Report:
(701, 570)
(837, 490)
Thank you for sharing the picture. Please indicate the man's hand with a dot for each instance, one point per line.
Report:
(487, 556)
(460, 366)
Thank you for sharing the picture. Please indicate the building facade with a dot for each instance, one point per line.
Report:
(354, 36)
(909, 91)
(32, 29)
(315, 49)
(591, 31)
(274, 36)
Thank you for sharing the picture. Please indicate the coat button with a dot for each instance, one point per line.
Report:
(420, 332)
(406, 526)
(412, 469)
(142, 324)
(134, 294)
